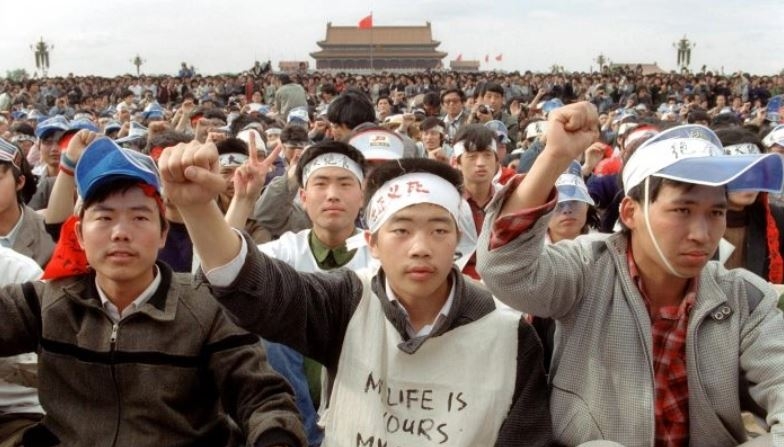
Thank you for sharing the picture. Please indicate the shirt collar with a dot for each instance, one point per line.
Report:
(688, 298)
(135, 305)
(11, 236)
(321, 252)
(428, 328)
(449, 121)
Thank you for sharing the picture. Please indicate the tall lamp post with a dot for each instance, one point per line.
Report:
(138, 62)
(603, 62)
(684, 47)
(41, 51)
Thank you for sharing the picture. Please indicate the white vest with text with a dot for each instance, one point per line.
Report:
(455, 390)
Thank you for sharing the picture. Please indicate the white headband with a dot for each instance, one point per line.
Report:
(535, 129)
(459, 148)
(232, 159)
(651, 159)
(411, 189)
(742, 149)
(331, 160)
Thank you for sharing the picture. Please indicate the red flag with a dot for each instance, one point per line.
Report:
(459, 57)
(500, 57)
(487, 58)
(366, 22)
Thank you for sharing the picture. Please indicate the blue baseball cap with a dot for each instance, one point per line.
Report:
(501, 132)
(52, 125)
(153, 111)
(103, 160)
(551, 104)
(775, 109)
(694, 154)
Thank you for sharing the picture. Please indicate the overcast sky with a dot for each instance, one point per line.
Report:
(102, 37)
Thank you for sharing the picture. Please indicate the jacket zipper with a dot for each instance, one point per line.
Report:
(112, 350)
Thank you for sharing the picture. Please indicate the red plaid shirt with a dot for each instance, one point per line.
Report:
(668, 328)
(671, 384)
(478, 215)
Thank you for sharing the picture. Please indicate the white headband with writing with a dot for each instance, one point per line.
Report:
(232, 159)
(332, 160)
(742, 149)
(411, 189)
(460, 148)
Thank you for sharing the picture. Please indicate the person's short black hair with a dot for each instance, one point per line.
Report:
(329, 88)
(24, 170)
(431, 122)
(284, 78)
(384, 98)
(126, 93)
(395, 168)
(456, 91)
(23, 128)
(350, 109)
(120, 185)
(725, 120)
(492, 87)
(475, 137)
(167, 138)
(293, 133)
(431, 99)
(698, 115)
(213, 113)
(243, 120)
(324, 147)
(232, 145)
(739, 135)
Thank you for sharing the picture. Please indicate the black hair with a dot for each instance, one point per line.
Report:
(739, 135)
(431, 99)
(232, 145)
(351, 109)
(329, 88)
(395, 168)
(725, 120)
(167, 138)
(294, 134)
(24, 195)
(243, 120)
(337, 147)
(492, 87)
(431, 122)
(23, 128)
(698, 115)
(475, 137)
(456, 91)
(119, 185)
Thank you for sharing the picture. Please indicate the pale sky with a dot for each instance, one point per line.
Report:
(102, 37)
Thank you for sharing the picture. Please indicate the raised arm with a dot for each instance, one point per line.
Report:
(248, 182)
(61, 201)
(511, 254)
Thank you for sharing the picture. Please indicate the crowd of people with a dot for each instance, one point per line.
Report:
(431, 258)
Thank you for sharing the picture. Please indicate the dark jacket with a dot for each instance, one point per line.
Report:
(311, 312)
(155, 378)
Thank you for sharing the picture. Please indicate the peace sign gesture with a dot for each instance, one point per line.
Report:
(249, 178)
